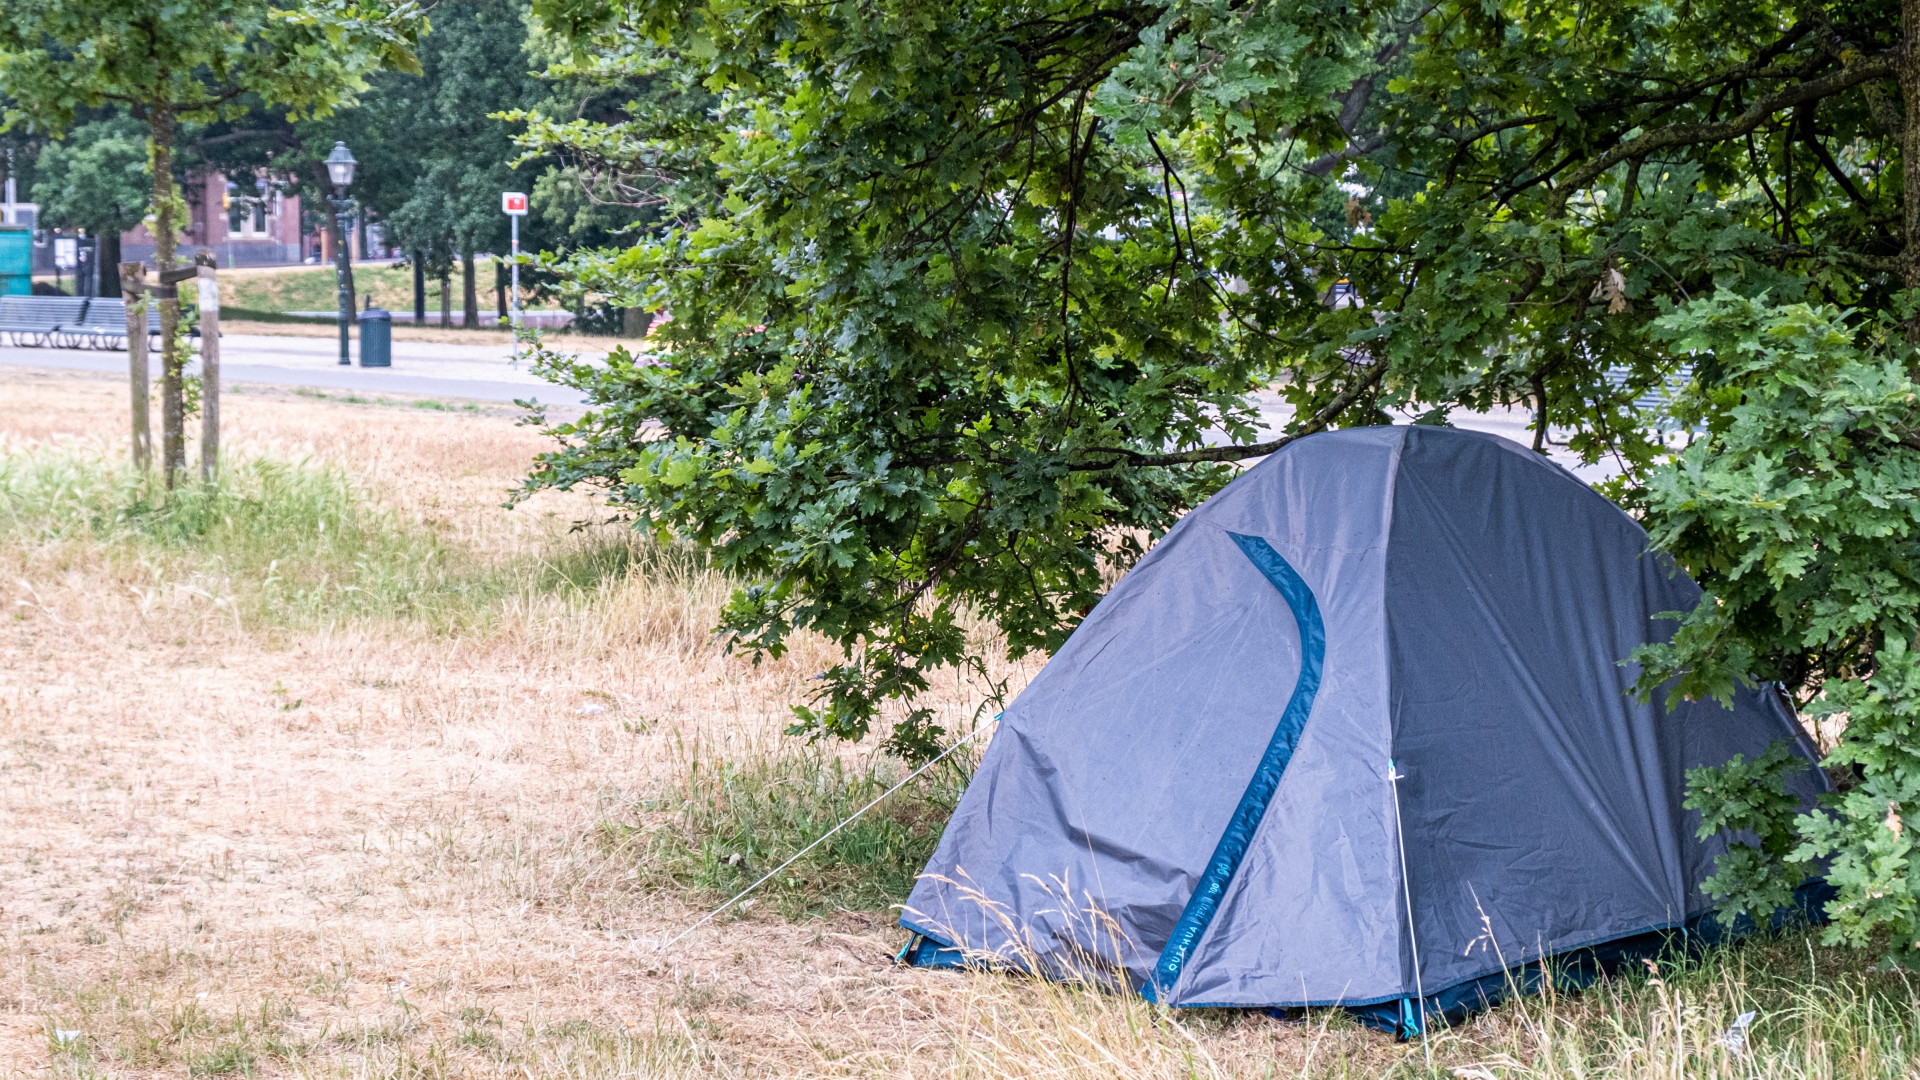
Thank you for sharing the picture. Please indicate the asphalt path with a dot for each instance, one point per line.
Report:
(1512, 424)
(424, 369)
(486, 373)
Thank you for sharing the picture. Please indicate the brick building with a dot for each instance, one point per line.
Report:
(243, 221)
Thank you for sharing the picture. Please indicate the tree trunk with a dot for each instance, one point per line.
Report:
(419, 288)
(1538, 378)
(500, 287)
(360, 228)
(446, 299)
(166, 225)
(469, 299)
(108, 259)
(1910, 152)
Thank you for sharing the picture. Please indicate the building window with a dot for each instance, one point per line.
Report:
(248, 216)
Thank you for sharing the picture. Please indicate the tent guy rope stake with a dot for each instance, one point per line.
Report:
(1406, 891)
(771, 874)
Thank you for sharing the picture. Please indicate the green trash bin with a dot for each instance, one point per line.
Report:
(376, 338)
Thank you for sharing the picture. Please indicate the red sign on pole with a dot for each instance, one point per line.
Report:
(513, 202)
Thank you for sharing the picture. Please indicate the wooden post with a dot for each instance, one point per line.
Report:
(209, 283)
(133, 285)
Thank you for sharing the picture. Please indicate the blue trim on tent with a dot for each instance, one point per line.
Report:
(923, 951)
(1212, 888)
(930, 950)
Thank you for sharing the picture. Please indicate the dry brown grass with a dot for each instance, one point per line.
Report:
(372, 850)
(402, 869)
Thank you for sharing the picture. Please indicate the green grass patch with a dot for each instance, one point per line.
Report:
(265, 295)
(1818, 1012)
(722, 824)
(429, 404)
(232, 313)
(292, 544)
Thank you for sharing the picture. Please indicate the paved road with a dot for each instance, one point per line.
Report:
(483, 373)
(460, 372)
(1510, 424)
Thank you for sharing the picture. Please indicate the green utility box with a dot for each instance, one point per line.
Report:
(16, 260)
(376, 338)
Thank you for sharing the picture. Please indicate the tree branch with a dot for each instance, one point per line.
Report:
(1317, 422)
(1361, 147)
(1684, 134)
(1804, 121)
(1353, 105)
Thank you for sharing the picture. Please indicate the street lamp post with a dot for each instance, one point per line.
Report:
(340, 165)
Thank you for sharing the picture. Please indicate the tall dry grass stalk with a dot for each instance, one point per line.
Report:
(418, 796)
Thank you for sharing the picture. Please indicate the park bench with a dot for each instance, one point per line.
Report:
(1659, 399)
(72, 322)
(34, 320)
(104, 325)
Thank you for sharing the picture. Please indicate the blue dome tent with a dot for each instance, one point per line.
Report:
(1356, 732)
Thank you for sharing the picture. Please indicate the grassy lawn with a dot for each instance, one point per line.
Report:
(346, 770)
(257, 301)
(274, 290)
(313, 288)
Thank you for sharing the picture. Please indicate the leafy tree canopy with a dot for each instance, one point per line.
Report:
(192, 60)
(432, 161)
(970, 301)
(96, 178)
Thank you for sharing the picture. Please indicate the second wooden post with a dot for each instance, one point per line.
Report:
(209, 284)
(133, 285)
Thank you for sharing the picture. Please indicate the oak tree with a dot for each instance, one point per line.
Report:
(970, 301)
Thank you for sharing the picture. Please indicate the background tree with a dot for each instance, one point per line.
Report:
(460, 159)
(970, 302)
(573, 204)
(188, 60)
(96, 179)
(424, 226)
(19, 152)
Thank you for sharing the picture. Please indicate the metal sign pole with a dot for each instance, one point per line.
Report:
(515, 308)
(514, 205)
